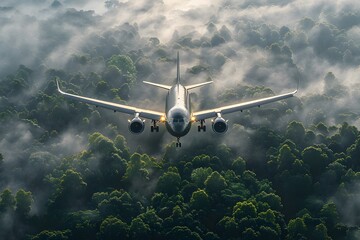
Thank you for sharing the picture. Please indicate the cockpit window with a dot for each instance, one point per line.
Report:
(178, 120)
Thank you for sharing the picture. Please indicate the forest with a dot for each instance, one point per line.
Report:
(288, 170)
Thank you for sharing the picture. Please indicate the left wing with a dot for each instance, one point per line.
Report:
(202, 115)
(114, 106)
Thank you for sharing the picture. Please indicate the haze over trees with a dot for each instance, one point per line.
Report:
(289, 170)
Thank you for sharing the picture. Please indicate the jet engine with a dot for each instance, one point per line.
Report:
(136, 125)
(219, 125)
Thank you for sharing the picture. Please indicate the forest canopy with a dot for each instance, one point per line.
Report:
(289, 170)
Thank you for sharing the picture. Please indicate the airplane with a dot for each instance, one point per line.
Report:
(178, 115)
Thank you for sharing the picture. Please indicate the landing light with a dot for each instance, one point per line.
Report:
(162, 119)
(193, 119)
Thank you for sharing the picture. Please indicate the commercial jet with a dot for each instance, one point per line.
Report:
(178, 115)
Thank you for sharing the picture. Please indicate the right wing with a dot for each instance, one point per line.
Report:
(114, 106)
(210, 113)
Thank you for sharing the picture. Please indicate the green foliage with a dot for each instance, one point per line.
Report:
(101, 144)
(139, 229)
(244, 210)
(182, 232)
(316, 159)
(239, 165)
(200, 200)
(23, 202)
(296, 228)
(289, 170)
(7, 201)
(330, 214)
(199, 176)
(215, 183)
(52, 235)
(125, 67)
(113, 228)
(169, 183)
(296, 132)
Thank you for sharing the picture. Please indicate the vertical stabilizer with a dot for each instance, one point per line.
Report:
(178, 69)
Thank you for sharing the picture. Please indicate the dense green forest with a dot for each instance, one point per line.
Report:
(288, 170)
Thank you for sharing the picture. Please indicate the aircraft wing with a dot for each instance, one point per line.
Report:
(211, 113)
(114, 106)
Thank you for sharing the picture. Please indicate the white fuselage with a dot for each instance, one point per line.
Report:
(177, 109)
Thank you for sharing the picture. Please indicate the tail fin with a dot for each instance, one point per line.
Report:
(178, 69)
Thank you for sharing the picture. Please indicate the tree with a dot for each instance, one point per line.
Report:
(316, 159)
(227, 228)
(354, 152)
(71, 182)
(139, 229)
(199, 200)
(52, 235)
(244, 209)
(273, 200)
(153, 221)
(121, 144)
(69, 187)
(182, 232)
(7, 201)
(215, 183)
(347, 135)
(239, 165)
(296, 228)
(296, 132)
(125, 65)
(135, 168)
(120, 204)
(330, 214)
(268, 233)
(320, 232)
(112, 168)
(113, 228)
(23, 203)
(199, 176)
(249, 234)
(286, 157)
(169, 183)
(101, 144)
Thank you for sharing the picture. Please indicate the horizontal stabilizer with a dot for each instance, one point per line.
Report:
(158, 85)
(197, 85)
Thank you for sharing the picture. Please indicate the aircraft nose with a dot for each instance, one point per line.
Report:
(179, 127)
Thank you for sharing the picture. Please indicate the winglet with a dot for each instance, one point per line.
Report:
(178, 69)
(298, 84)
(58, 86)
(297, 87)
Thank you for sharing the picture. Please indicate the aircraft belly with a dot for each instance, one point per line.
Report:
(178, 134)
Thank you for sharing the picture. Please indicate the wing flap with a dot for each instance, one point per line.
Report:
(201, 115)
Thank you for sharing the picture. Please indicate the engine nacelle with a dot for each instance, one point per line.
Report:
(219, 125)
(136, 125)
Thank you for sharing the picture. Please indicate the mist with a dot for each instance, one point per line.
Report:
(272, 44)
